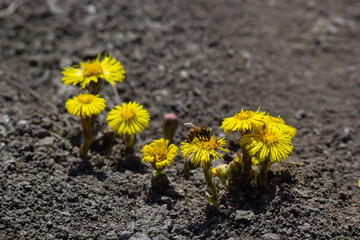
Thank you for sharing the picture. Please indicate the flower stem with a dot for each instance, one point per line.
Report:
(94, 87)
(264, 170)
(87, 133)
(247, 162)
(129, 141)
(212, 198)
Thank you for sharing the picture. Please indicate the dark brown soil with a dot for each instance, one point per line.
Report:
(203, 60)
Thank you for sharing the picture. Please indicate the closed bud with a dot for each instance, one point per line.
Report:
(234, 170)
(222, 173)
(170, 125)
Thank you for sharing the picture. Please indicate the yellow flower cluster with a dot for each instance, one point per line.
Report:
(129, 119)
(263, 136)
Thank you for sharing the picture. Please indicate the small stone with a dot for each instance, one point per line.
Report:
(241, 215)
(91, 8)
(167, 200)
(125, 234)
(111, 235)
(160, 237)
(139, 236)
(270, 236)
(3, 132)
(65, 214)
(5, 118)
(47, 141)
(22, 123)
(46, 123)
(306, 226)
(300, 114)
(184, 74)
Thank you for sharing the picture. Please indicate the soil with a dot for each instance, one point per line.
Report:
(202, 60)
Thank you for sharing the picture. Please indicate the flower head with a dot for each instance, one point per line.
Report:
(130, 118)
(109, 69)
(280, 124)
(159, 153)
(269, 143)
(85, 105)
(244, 121)
(201, 150)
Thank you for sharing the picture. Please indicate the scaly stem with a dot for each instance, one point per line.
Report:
(129, 141)
(87, 133)
(264, 170)
(247, 162)
(94, 87)
(156, 173)
(210, 184)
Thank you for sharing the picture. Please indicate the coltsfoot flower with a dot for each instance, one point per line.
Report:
(244, 121)
(108, 69)
(85, 105)
(201, 150)
(159, 153)
(270, 143)
(280, 123)
(128, 119)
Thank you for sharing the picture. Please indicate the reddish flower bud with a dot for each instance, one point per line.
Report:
(170, 125)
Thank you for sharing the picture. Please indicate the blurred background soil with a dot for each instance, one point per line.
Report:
(202, 60)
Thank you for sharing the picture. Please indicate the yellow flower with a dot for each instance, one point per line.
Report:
(109, 69)
(280, 123)
(244, 122)
(130, 118)
(159, 153)
(201, 150)
(85, 105)
(269, 143)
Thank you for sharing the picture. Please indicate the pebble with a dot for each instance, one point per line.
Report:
(47, 141)
(167, 200)
(241, 215)
(160, 237)
(184, 74)
(125, 234)
(3, 132)
(139, 236)
(111, 235)
(22, 123)
(270, 236)
(6, 118)
(300, 114)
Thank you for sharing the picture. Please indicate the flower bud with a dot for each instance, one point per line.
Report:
(170, 125)
(222, 173)
(234, 170)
